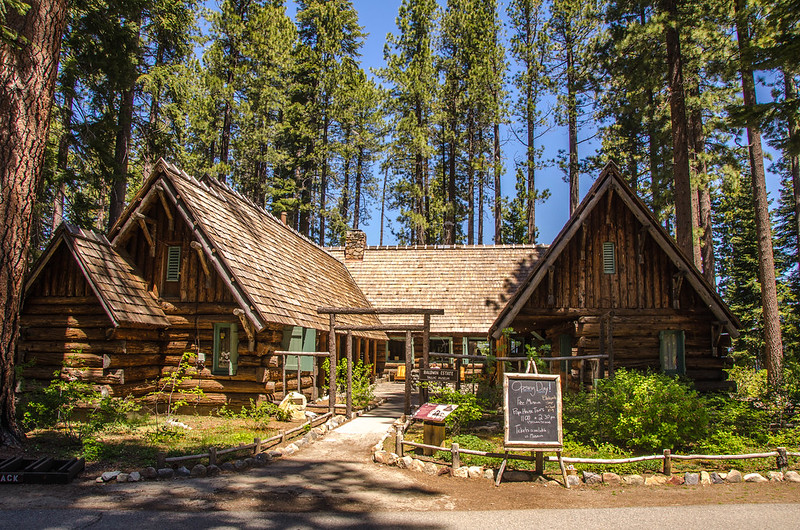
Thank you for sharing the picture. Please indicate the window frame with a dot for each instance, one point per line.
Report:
(233, 359)
(609, 257)
(680, 351)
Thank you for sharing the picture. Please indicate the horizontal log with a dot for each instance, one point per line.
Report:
(111, 346)
(65, 334)
(95, 375)
(198, 308)
(379, 311)
(248, 373)
(65, 321)
(35, 310)
(231, 387)
(211, 399)
(60, 300)
(201, 321)
(136, 390)
(57, 359)
(138, 334)
(131, 360)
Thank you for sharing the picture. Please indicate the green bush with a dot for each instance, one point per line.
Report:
(609, 451)
(469, 441)
(640, 411)
(362, 380)
(468, 408)
(260, 413)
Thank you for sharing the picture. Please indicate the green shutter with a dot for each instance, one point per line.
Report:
(292, 341)
(609, 258)
(672, 352)
(309, 345)
(173, 264)
(564, 350)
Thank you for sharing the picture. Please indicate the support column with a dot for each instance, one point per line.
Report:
(349, 402)
(332, 373)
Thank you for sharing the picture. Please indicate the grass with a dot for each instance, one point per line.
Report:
(135, 446)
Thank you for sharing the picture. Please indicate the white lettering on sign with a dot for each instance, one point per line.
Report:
(9, 477)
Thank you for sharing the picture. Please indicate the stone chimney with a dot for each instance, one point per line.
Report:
(355, 243)
(283, 217)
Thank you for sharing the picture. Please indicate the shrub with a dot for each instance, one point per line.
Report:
(468, 409)
(641, 411)
(362, 383)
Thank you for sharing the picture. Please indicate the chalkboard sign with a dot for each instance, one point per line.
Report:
(532, 410)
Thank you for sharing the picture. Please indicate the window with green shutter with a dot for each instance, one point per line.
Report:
(173, 273)
(226, 349)
(297, 338)
(672, 352)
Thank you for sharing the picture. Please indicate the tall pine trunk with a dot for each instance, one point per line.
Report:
(122, 149)
(572, 126)
(27, 82)
(498, 213)
(63, 151)
(790, 93)
(357, 195)
(773, 342)
(684, 214)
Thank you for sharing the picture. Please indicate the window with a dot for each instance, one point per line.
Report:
(226, 349)
(609, 258)
(672, 352)
(297, 338)
(475, 346)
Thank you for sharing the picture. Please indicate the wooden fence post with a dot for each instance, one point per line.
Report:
(398, 440)
(667, 462)
(456, 456)
(212, 456)
(349, 395)
(161, 460)
(257, 448)
(539, 462)
(782, 460)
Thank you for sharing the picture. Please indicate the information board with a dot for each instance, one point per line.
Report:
(434, 411)
(437, 375)
(532, 410)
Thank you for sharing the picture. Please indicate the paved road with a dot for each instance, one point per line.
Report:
(771, 516)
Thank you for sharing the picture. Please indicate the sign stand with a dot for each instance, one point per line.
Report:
(532, 416)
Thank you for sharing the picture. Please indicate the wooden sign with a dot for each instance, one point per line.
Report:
(434, 412)
(437, 375)
(532, 411)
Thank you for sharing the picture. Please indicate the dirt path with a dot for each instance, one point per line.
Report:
(336, 474)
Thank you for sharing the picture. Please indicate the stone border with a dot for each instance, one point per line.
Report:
(704, 478)
(239, 465)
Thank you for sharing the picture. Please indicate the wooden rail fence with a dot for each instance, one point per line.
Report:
(256, 447)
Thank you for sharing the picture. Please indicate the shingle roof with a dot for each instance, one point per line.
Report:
(471, 283)
(283, 275)
(113, 278)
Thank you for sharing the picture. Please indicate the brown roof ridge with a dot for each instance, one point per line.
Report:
(524, 246)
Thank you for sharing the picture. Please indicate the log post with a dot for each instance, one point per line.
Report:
(409, 367)
(349, 401)
(667, 462)
(539, 462)
(456, 456)
(257, 448)
(782, 460)
(332, 376)
(161, 460)
(398, 440)
(426, 344)
(212, 456)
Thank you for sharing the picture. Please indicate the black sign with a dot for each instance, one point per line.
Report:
(532, 410)
(439, 375)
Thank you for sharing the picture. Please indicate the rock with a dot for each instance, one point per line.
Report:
(443, 470)
(405, 462)
(691, 479)
(430, 469)
(262, 459)
(475, 471)
(99, 480)
(655, 480)
(183, 472)
(573, 480)
(488, 474)
(290, 449)
(108, 476)
(166, 473)
(213, 470)
(276, 453)
(775, 476)
(330, 424)
(675, 480)
(516, 476)
(754, 477)
(250, 462)
(340, 419)
(228, 466)
(633, 480)
(553, 483)
(705, 478)
(380, 457)
(733, 477)
(461, 472)
(723, 475)
(319, 432)
(391, 459)
(134, 476)
(122, 477)
(240, 465)
(592, 478)
(541, 479)
(612, 479)
(416, 465)
(791, 476)
(149, 473)
(199, 470)
(302, 442)
(716, 478)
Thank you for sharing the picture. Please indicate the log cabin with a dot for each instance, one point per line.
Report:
(614, 284)
(191, 266)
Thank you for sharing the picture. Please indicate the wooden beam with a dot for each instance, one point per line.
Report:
(379, 311)
(677, 285)
(409, 368)
(141, 219)
(249, 329)
(203, 262)
(551, 299)
(385, 327)
(167, 209)
(332, 372)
